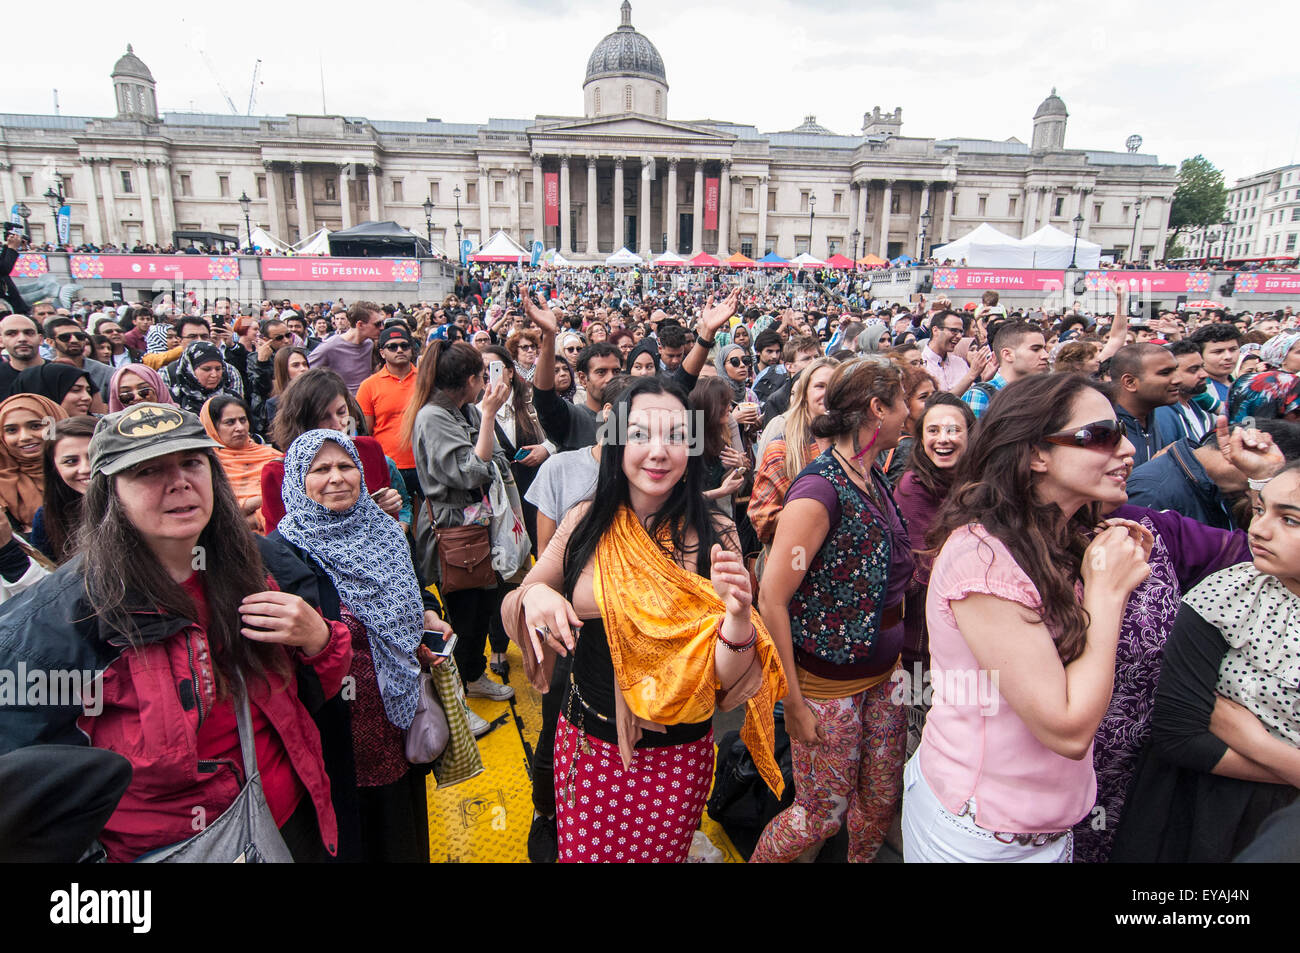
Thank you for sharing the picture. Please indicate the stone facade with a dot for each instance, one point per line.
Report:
(628, 175)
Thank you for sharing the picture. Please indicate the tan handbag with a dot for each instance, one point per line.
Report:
(464, 555)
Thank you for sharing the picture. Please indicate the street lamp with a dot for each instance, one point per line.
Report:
(55, 201)
(854, 238)
(1133, 250)
(245, 203)
(812, 207)
(1074, 255)
(428, 222)
(456, 194)
(925, 230)
(25, 213)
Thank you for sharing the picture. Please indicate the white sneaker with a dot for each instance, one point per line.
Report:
(477, 726)
(484, 687)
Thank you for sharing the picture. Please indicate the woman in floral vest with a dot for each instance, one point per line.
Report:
(832, 597)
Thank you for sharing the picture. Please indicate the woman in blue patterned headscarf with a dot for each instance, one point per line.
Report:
(332, 522)
(1265, 396)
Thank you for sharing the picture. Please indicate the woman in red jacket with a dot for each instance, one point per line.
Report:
(167, 636)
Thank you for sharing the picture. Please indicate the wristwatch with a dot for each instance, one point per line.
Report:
(1257, 485)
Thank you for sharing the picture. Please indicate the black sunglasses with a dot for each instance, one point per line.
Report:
(1101, 435)
(739, 361)
(75, 334)
(397, 346)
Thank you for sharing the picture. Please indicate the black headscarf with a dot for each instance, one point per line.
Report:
(51, 380)
(646, 346)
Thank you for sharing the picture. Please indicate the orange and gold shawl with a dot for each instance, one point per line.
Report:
(662, 622)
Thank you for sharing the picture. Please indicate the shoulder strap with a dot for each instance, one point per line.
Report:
(244, 719)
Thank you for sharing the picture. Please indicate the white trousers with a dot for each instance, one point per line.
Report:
(934, 835)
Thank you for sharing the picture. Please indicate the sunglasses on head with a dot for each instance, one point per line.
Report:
(1101, 435)
(79, 335)
(739, 361)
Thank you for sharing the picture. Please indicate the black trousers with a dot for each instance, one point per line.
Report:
(470, 614)
(395, 821)
(301, 833)
(544, 756)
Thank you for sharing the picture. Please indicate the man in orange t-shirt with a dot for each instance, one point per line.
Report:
(383, 397)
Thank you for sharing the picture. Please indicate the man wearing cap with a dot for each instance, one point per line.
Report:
(383, 397)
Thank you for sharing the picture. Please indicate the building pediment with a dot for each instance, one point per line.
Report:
(628, 126)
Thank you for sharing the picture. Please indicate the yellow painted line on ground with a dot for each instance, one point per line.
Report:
(485, 820)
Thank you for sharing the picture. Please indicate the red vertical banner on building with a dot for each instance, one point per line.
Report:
(552, 198)
(710, 205)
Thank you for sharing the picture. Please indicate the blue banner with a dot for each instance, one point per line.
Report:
(14, 217)
(538, 248)
(64, 220)
(465, 248)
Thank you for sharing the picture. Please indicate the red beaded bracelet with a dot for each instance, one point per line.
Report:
(744, 646)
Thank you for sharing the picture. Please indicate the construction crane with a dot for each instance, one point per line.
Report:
(234, 111)
(252, 91)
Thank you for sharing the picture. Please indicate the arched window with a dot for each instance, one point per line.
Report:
(659, 102)
(627, 99)
(597, 101)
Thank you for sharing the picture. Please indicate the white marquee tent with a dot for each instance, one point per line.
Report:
(1053, 248)
(264, 239)
(317, 243)
(623, 257)
(986, 247)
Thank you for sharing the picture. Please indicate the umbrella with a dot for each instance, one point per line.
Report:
(740, 261)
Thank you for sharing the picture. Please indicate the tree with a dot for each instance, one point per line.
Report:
(1201, 199)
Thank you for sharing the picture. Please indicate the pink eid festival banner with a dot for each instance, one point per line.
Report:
(998, 279)
(379, 270)
(147, 267)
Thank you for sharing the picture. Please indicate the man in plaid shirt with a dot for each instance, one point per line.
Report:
(1022, 352)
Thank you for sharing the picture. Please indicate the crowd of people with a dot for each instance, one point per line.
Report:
(1011, 585)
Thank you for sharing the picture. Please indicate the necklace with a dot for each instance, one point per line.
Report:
(867, 483)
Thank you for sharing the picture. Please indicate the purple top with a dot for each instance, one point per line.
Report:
(352, 362)
(1184, 553)
(919, 510)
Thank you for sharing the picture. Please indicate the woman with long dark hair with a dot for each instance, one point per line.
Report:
(290, 363)
(918, 385)
(67, 475)
(455, 452)
(171, 602)
(832, 593)
(1026, 596)
(659, 647)
(725, 466)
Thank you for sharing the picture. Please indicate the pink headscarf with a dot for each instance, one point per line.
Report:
(147, 374)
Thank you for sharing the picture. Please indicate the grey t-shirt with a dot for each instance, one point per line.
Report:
(350, 361)
(563, 481)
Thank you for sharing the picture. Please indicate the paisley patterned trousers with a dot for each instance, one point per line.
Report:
(857, 772)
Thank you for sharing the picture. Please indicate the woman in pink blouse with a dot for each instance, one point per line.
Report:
(1024, 609)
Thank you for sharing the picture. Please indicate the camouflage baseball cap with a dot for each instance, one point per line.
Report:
(142, 432)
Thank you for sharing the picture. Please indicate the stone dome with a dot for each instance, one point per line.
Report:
(131, 65)
(1051, 106)
(625, 52)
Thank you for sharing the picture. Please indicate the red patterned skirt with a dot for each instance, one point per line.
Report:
(645, 815)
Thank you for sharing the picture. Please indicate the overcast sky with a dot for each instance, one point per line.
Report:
(1190, 77)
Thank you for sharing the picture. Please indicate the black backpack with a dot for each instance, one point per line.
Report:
(741, 801)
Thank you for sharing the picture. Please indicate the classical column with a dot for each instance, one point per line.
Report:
(113, 229)
(372, 182)
(166, 203)
(8, 197)
(96, 234)
(760, 246)
(949, 196)
(345, 200)
(670, 205)
(539, 201)
(724, 210)
(484, 205)
(512, 187)
(864, 189)
(697, 211)
(146, 202)
(300, 197)
(646, 166)
(1031, 211)
(566, 236)
(620, 228)
(886, 203)
(1045, 207)
(924, 207)
(593, 244)
(275, 213)
(1085, 210)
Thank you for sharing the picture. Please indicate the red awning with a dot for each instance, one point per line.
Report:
(839, 261)
(704, 258)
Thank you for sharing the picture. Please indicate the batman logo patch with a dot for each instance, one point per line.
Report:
(149, 421)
